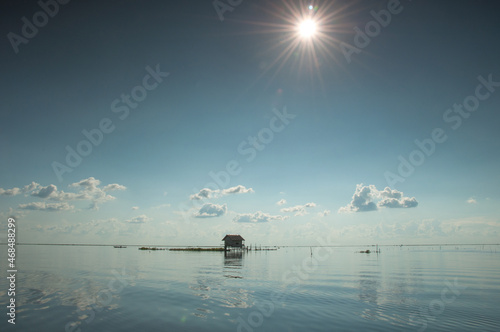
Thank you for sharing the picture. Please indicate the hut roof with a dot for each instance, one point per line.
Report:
(233, 237)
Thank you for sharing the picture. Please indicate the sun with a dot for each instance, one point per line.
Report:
(307, 28)
(305, 38)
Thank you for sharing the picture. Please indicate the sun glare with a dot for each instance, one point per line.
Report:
(307, 28)
(305, 37)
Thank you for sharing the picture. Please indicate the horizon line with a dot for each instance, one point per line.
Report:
(287, 246)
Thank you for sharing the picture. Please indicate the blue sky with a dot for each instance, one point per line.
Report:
(305, 139)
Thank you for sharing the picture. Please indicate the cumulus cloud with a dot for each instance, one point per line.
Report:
(362, 200)
(404, 202)
(10, 192)
(239, 189)
(390, 193)
(114, 186)
(45, 192)
(87, 189)
(135, 208)
(281, 202)
(90, 190)
(16, 191)
(471, 201)
(299, 210)
(207, 193)
(64, 196)
(204, 193)
(142, 219)
(257, 217)
(42, 206)
(32, 186)
(210, 210)
(368, 198)
(90, 183)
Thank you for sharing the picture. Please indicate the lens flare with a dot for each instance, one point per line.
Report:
(300, 38)
(307, 28)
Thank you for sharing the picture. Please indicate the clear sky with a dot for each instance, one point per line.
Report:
(176, 123)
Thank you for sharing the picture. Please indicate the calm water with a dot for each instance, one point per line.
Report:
(402, 289)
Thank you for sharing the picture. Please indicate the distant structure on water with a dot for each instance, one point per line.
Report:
(233, 241)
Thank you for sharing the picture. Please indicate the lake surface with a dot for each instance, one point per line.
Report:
(71, 288)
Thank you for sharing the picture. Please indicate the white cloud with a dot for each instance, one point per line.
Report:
(365, 196)
(281, 202)
(390, 193)
(257, 217)
(299, 210)
(32, 186)
(135, 208)
(42, 206)
(64, 196)
(10, 192)
(88, 189)
(204, 193)
(392, 198)
(139, 219)
(207, 193)
(90, 183)
(405, 202)
(471, 201)
(45, 192)
(16, 191)
(114, 186)
(361, 200)
(324, 213)
(210, 210)
(239, 189)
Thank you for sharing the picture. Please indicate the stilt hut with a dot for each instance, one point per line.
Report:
(233, 241)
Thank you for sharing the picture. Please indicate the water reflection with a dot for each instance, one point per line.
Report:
(368, 287)
(217, 292)
(199, 291)
(392, 299)
(233, 263)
